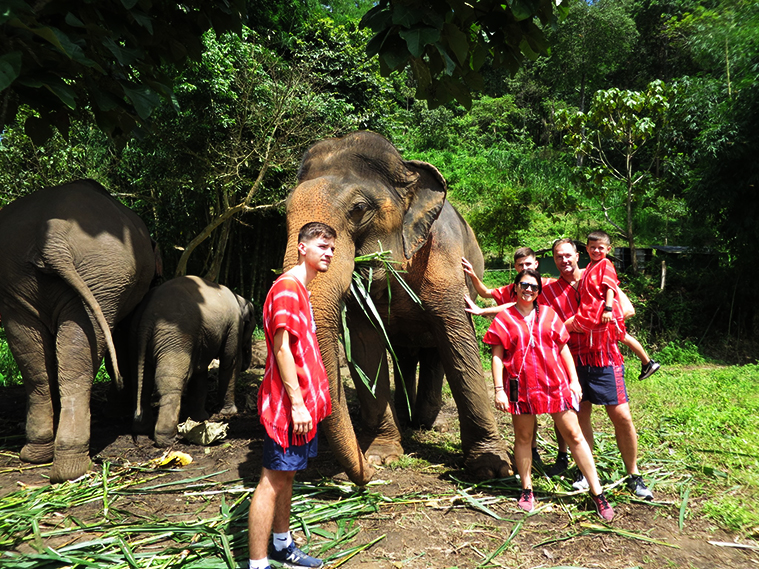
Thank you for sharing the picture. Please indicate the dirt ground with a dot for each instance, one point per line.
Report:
(433, 531)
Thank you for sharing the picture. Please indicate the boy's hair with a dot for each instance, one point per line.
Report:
(564, 241)
(315, 229)
(523, 252)
(599, 236)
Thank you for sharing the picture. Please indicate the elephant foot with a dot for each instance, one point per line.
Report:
(228, 410)
(199, 415)
(163, 440)
(488, 465)
(37, 453)
(383, 452)
(69, 466)
(431, 422)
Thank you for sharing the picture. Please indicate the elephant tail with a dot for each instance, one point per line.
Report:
(140, 354)
(63, 266)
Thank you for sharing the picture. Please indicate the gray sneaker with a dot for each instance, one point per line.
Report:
(580, 483)
(295, 558)
(636, 485)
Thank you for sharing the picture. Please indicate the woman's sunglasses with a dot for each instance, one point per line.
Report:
(529, 286)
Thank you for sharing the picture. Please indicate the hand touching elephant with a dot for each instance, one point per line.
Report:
(73, 262)
(361, 186)
(178, 329)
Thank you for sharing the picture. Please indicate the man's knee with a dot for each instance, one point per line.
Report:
(619, 414)
(278, 480)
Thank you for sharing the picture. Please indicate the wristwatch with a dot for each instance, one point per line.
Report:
(607, 308)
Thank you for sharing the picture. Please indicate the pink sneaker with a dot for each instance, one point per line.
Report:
(526, 500)
(603, 507)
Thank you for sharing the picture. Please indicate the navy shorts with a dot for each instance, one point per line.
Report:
(603, 385)
(295, 457)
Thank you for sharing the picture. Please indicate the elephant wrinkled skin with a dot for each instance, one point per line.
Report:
(176, 331)
(360, 185)
(73, 262)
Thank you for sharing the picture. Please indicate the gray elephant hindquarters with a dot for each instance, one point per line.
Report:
(181, 327)
(73, 262)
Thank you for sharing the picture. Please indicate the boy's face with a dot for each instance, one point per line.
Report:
(528, 262)
(597, 250)
(317, 253)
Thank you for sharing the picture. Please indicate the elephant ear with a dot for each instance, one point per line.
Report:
(424, 190)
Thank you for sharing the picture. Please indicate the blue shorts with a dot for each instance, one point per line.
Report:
(603, 385)
(295, 457)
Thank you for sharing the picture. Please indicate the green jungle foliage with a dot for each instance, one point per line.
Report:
(676, 79)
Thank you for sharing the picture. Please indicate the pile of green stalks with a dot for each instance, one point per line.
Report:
(110, 533)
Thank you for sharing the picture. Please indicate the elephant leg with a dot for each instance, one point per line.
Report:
(485, 454)
(228, 371)
(429, 396)
(34, 352)
(195, 400)
(79, 354)
(405, 383)
(142, 423)
(170, 384)
(381, 437)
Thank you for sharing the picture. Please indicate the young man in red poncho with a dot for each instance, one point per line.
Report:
(292, 400)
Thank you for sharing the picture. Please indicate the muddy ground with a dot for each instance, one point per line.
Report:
(433, 530)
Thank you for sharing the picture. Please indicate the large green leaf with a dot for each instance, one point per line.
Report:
(143, 99)
(10, 67)
(419, 38)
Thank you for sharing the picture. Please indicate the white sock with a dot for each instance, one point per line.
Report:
(282, 540)
(258, 563)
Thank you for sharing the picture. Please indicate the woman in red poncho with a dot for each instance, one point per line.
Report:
(533, 373)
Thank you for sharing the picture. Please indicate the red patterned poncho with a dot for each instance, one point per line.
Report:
(599, 344)
(531, 353)
(288, 306)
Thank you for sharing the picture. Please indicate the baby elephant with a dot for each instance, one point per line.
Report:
(179, 328)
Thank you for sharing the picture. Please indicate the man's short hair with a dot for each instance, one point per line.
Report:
(565, 241)
(315, 229)
(599, 236)
(523, 252)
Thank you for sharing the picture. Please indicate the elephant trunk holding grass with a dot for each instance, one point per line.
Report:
(179, 328)
(73, 262)
(360, 185)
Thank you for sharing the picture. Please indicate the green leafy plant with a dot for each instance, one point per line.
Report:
(361, 291)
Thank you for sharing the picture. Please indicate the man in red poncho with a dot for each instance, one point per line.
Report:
(292, 400)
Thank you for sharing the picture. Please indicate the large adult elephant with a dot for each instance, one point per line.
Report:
(73, 262)
(360, 185)
(177, 330)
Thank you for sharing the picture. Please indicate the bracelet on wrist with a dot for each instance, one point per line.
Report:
(498, 388)
(608, 308)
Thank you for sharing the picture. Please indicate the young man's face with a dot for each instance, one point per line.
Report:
(566, 259)
(528, 262)
(317, 253)
(597, 250)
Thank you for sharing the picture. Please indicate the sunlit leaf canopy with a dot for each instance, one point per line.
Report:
(112, 58)
(446, 43)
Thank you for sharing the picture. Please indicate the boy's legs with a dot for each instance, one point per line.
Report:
(637, 348)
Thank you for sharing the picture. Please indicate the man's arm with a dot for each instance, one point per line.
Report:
(479, 286)
(301, 418)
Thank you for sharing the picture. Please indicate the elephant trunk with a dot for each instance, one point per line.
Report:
(328, 293)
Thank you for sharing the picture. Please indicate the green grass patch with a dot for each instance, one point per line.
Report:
(9, 373)
(702, 424)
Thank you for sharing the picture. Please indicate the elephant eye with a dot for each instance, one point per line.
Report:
(357, 211)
